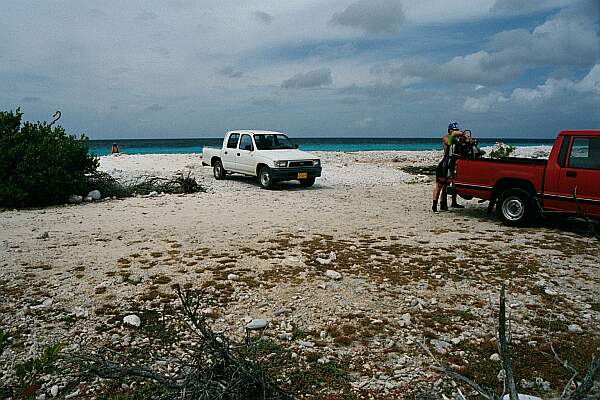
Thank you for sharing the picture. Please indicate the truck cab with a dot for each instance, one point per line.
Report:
(567, 183)
(270, 156)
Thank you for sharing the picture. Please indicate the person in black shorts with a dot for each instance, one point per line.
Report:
(441, 172)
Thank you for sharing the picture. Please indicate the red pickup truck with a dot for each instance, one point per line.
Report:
(568, 182)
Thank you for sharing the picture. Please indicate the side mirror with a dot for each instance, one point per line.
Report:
(295, 146)
(248, 147)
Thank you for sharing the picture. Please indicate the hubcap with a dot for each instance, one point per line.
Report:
(264, 177)
(513, 208)
(218, 170)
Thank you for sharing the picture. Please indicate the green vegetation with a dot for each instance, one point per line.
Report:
(39, 164)
(28, 373)
(502, 150)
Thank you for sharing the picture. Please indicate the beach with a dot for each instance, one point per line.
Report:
(403, 274)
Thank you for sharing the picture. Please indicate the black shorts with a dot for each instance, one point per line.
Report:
(441, 172)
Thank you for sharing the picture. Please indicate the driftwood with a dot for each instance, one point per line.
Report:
(217, 369)
(573, 390)
(111, 187)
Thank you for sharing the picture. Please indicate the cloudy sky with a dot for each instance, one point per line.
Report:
(368, 68)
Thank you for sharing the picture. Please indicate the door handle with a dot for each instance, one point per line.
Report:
(571, 174)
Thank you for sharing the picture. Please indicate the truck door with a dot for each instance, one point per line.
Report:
(245, 155)
(580, 179)
(228, 155)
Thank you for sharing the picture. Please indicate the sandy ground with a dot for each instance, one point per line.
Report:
(406, 274)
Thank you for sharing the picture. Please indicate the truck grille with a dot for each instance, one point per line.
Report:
(293, 164)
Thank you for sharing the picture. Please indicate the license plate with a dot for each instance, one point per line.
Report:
(302, 175)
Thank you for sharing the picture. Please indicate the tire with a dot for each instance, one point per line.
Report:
(514, 207)
(218, 170)
(307, 182)
(265, 179)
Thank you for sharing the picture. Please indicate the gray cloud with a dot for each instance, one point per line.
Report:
(515, 6)
(263, 17)
(312, 79)
(30, 99)
(146, 16)
(372, 16)
(230, 72)
(156, 107)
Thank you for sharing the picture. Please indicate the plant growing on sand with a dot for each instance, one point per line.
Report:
(39, 164)
(502, 150)
(578, 387)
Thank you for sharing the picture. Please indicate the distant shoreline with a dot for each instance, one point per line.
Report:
(195, 146)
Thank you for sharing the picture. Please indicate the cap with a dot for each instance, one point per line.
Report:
(453, 126)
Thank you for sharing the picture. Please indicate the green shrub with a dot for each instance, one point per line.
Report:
(40, 165)
(502, 150)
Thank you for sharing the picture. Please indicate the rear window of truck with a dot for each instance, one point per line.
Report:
(585, 153)
(233, 140)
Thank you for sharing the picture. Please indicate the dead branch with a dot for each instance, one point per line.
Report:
(504, 348)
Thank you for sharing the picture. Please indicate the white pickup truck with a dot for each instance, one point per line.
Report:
(271, 156)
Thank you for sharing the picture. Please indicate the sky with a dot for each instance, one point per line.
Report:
(339, 68)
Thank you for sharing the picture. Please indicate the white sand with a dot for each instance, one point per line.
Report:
(365, 206)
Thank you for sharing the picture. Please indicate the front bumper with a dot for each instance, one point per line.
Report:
(288, 174)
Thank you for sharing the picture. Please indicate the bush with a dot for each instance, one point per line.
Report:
(502, 150)
(40, 165)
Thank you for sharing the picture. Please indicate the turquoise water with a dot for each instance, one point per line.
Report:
(184, 146)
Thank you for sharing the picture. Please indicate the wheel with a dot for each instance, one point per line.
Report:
(514, 207)
(307, 182)
(264, 178)
(218, 170)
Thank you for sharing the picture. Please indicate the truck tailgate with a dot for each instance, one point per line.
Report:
(478, 177)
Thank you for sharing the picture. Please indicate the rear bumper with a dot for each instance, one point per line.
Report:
(288, 174)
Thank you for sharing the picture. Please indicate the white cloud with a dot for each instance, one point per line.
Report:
(591, 82)
(549, 90)
(363, 122)
(372, 16)
(311, 79)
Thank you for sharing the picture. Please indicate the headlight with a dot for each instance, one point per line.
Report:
(280, 164)
(316, 163)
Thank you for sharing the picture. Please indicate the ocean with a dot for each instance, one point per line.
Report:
(184, 146)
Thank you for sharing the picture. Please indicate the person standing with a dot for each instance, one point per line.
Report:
(441, 172)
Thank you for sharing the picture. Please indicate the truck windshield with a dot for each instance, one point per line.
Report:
(273, 142)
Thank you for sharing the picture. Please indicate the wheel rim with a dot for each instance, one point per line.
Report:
(513, 208)
(217, 170)
(264, 178)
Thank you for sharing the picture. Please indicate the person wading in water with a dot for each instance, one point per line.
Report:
(441, 172)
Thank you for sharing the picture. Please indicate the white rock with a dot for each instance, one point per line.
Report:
(333, 274)
(440, 346)
(75, 199)
(495, 357)
(574, 328)
(522, 397)
(45, 304)
(307, 344)
(257, 324)
(323, 261)
(72, 395)
(94, 194)
(233, 277)
(54, 390)
(80, 312)
(87, 199)
(153, 194)
(550, 292)
(132, 320)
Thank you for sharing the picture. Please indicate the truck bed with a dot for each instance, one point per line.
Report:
(477, 177)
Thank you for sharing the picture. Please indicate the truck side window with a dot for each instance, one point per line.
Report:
(562, 155)
(233, 140)
(585, 153)
(246, 143)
